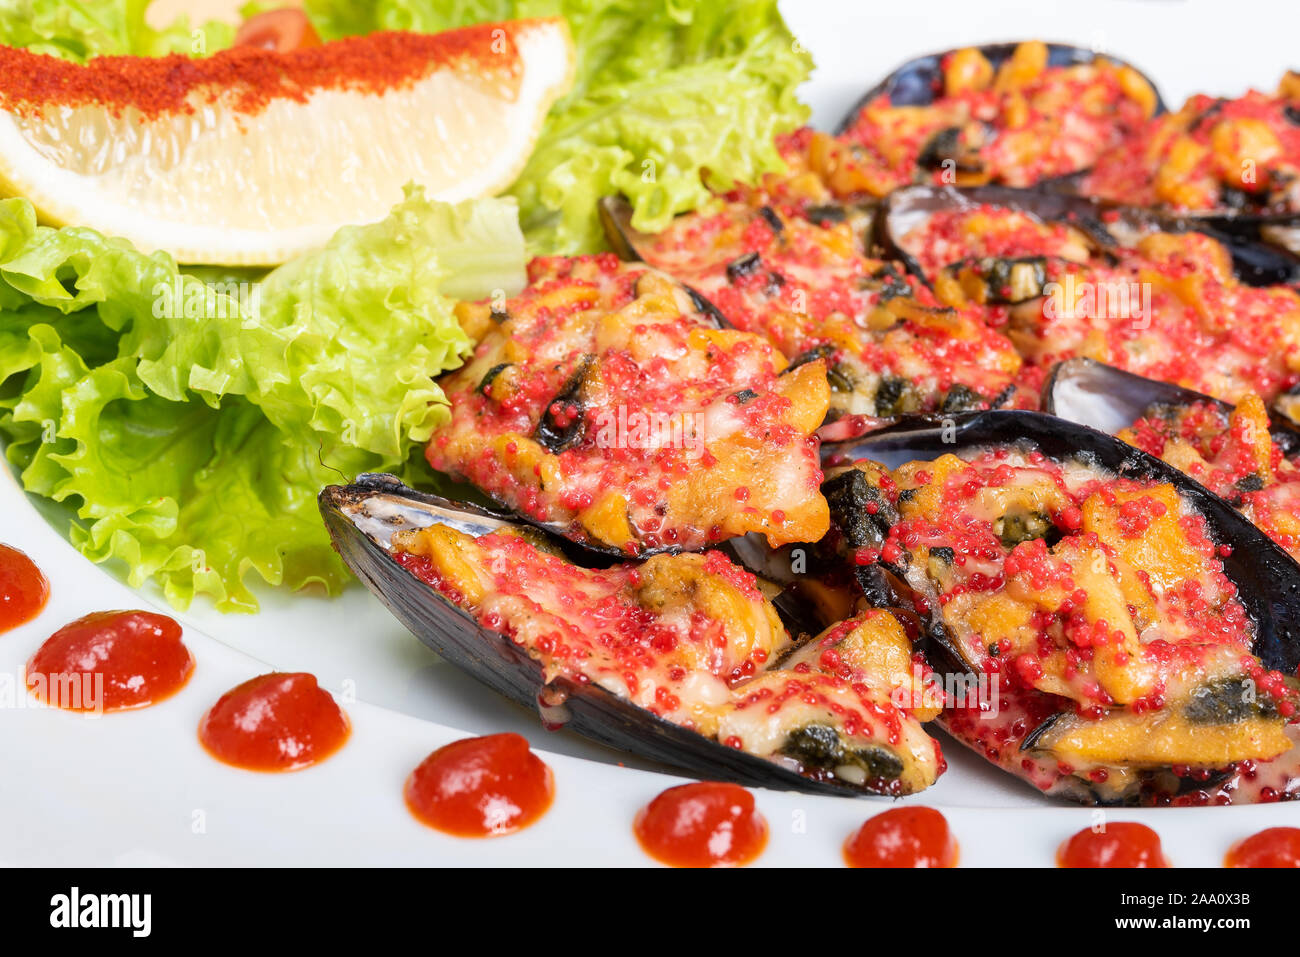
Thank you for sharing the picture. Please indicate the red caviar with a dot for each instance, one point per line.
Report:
(705, 824)
(902, 837)
(481, 787)
(111, 661)
(1271, 847)
(274, 722)
(23, 589)
(1119, 844)
(30, 82)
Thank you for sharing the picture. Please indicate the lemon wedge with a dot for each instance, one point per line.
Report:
(251, 157)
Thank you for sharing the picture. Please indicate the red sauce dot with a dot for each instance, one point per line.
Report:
(902, 837)
(1272, 847)
(111, 661)
(23, 589)
(274, 722)
(481, 787)
(705, 824)
(1121, 844)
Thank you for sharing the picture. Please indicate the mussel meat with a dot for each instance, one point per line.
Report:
(1244, 454)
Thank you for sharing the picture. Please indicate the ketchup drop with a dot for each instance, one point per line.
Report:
(902, 837)
(23, 589)
(706, 824)
(481, 787)
(274, 722)
(111, 661)
(1122, 844)
(1271, 847)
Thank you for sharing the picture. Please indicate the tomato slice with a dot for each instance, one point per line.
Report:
(279, 30)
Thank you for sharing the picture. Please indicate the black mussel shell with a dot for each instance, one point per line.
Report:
(362, 517)
(1109, 399)
(1268, 579)
(919, 81)
(1106, 224)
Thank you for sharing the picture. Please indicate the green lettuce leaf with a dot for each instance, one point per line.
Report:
(667, 92)
(191, 424)
(80, 29)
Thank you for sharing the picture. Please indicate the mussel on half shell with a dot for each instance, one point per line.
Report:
(1110, 400)
(1105, 224)
(931, 118)
(807, 747)
(1039, 736)
(887, 343)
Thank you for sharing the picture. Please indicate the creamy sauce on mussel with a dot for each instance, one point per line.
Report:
(691, 639)
(1095, 608)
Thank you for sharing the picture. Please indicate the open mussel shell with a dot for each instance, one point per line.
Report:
(1267, 578)
(1106, 224)
(1109, 399)
(919, 81)
(361, 519)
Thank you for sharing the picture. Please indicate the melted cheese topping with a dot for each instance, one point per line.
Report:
(1211, 154)
(1129, 605)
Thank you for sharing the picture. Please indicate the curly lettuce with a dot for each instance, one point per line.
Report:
(670, 97)
(191, 423)
(85, 28)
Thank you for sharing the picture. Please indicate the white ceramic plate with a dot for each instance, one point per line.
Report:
(137, 789)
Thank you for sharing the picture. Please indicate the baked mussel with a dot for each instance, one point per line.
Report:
(1013, 113)
(680, 659)
(802, 282)
(605, 403)
(1064, 277)
(1245, 454)
(1233, 162)
(939, 227)
(1104, 627)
